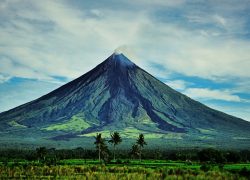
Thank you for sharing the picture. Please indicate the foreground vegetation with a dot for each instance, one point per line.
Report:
(89, 169)
(53, 164)
(135, 163)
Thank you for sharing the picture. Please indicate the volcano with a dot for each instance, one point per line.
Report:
(117, 95)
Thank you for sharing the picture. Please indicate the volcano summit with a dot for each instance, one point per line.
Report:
(117, 95)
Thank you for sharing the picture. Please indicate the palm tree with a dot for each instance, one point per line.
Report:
(105, 152)
(99, 142)
(135, 151)
(115, 140)
(41, 153)
(141, 142)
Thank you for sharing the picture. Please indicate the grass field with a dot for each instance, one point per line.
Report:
(126, 169)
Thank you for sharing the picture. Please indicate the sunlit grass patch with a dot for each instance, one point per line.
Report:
(16, 124)
(74, 124)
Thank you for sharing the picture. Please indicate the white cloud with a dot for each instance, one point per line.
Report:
(220, 20)
(71, 39)
(238, 111)
(96, 12)
(177, 84)
(163, 3)
(190, 53)
(3, 78)
(67, 36)
(211, 94)
(212, 19)
(241, 86)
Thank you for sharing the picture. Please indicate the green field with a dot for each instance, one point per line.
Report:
(80, 163)
(125, 169)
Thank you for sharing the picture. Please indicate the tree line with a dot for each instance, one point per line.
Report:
(102, 152)
(204, 155)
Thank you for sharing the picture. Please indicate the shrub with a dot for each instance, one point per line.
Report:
(205, 167)
(118, 161)
(211, 155)
(244, 172)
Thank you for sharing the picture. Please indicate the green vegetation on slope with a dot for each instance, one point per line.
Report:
(15, 124)
(74, 124)
(131, 132)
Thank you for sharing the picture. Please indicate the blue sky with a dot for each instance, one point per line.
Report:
(200, 48)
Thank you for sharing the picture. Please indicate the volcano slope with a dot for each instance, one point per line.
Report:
(117, 95)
